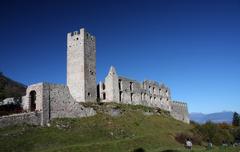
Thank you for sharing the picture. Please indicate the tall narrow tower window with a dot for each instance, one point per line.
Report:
(131, 86)
(120, 84)
(120, 96)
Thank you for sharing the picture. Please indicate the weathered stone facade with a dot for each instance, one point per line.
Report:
(55, 101)
(148, 93)
(81, 65)
(33, 118)
(45, 101)
(124, 90)
(179, 111)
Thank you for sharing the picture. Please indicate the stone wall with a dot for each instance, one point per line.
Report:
(148, 93)
(157, 95)
(33, 118)
(52, 101)
(62, 104)
(179, 111)
(41, 100)
(128, 91)
(90, 67)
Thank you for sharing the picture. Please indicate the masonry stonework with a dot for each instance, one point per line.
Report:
(81, 65)
(33, 118)
(180, 111)
(45, 101)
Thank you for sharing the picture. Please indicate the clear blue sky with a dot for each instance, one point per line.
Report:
(192, 46)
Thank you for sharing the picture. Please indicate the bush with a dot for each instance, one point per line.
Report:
(195, 138)
(214, 132)
(236, 134)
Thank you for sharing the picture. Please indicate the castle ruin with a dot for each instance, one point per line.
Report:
(45, 101)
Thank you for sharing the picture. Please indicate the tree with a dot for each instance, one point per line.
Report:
(236, 119)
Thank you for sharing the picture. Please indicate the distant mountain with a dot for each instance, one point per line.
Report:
(10, 88)
(218, 117)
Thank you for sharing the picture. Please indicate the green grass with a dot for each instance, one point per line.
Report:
(131, 130)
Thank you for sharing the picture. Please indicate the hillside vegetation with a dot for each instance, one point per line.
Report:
(135, 128)
(10, 88)
(115, 128)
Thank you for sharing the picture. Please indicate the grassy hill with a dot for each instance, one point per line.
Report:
(137, 128)
(10, 88)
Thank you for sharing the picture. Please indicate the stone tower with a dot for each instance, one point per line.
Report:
(81, 65)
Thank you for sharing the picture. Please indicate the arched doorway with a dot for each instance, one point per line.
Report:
(32, 98)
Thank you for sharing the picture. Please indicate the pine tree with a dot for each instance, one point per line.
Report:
(236, 119)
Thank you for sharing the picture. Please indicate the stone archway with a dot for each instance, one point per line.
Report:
(32, 100)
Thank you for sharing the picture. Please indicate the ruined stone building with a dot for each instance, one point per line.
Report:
(45, 101)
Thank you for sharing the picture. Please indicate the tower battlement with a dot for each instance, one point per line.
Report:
(81, 32)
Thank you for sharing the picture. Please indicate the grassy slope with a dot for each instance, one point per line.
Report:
(127, 132)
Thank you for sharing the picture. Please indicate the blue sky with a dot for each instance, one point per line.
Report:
(191, 46)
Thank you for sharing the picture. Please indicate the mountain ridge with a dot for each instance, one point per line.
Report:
(10, 87)
(217, 117)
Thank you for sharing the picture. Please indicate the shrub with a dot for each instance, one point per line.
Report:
(236, 134)
(195, 138)
(214, 132)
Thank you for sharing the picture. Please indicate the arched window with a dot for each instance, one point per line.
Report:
(104, 95)
(120, 84)
(32, 98)
(120, 96)
(103, 86)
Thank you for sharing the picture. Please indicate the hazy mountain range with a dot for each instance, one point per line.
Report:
(218, 117)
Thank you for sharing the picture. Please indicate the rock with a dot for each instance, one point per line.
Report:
(147, 113)
(114, 112)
